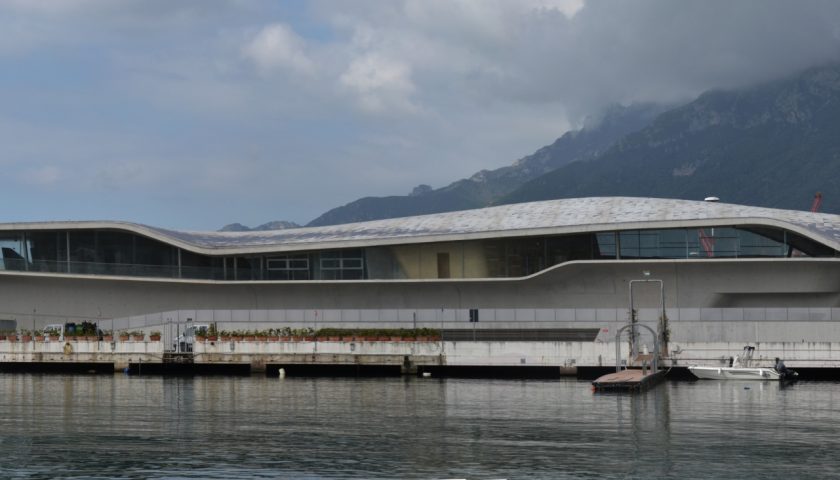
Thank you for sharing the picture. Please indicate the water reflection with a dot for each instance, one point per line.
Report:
(254, 427)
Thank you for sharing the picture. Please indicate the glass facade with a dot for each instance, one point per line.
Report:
(113, 252)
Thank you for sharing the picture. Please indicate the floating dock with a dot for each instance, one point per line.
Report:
(628, 380)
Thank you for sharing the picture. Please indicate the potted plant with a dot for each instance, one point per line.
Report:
(212, 333)
(296, 335)
(285, 334)
(154, 336)
(124, 336)
(107, 335)
(308, 334)
(12, 336)
(25, 335)
(224, 335)
(39, 335)
(52, 334)
(138, 336)
(334, 335)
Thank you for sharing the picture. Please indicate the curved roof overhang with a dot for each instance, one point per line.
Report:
(553, 217)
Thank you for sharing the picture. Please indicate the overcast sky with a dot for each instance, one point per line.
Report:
(194, 114)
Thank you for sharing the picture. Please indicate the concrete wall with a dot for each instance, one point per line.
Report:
(544, 354)
(121, 354)
(466, 260)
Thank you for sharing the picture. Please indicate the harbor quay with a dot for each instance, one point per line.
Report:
(407, 357)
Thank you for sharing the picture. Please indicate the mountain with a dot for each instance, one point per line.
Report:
(235, 227)
(771, 145)
(275, 225)
(488, 186)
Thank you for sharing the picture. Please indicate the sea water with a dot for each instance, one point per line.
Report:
(117, 426)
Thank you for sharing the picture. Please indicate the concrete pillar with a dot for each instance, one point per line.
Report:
(408, 367)
(257, 365)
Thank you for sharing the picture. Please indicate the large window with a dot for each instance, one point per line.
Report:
(287, 267)
(155, 259)
(606, 245)
(342, 265)
(11, 251)
(202, 267)
(48, 251)
(653, 244)
(711, 242)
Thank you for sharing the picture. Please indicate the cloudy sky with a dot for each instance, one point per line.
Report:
(193, 114)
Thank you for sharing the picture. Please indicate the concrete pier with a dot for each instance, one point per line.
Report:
(407, 357)
(120, 354)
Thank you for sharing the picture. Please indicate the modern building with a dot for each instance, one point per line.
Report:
(731, 273)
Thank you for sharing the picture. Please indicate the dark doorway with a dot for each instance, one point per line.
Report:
(443, 265)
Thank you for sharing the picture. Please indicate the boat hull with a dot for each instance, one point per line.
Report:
(734, 373)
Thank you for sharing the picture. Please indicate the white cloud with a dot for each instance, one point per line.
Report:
(380, 84)
(278, 47)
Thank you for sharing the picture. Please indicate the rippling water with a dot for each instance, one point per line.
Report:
(94, 426)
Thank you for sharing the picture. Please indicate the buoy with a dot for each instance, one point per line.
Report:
(281, 373)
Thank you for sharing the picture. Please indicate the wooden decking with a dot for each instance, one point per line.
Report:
(628, 380)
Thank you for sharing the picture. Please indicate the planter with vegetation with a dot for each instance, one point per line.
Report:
(212, 333)
(380, 334)
(53, 334)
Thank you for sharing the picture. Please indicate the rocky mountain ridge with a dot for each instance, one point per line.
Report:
(274, 225)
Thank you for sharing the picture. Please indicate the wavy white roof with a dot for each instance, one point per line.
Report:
(536, 218)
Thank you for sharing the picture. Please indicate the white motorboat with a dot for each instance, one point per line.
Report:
(740, 369)
(735, 373)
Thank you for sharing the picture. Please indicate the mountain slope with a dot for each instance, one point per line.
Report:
(275, 225)
(487, 186)
(772, 145)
